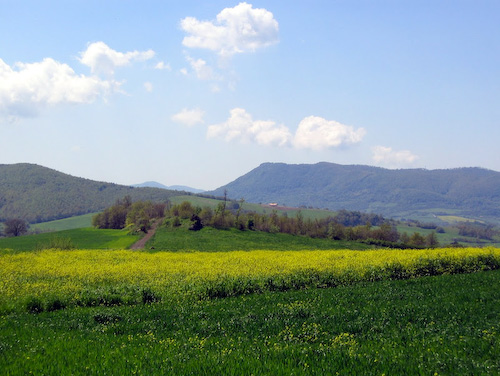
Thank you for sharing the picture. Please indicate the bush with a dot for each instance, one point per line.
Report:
(55, 305)
(57, 242)
(196, 223)
(176, 222)
(149, 297)
(34, 305)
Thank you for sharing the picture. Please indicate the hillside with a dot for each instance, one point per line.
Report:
(470, 192)
(39, 194)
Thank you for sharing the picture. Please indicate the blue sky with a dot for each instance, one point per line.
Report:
(198, 93)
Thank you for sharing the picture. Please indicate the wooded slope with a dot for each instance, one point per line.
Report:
(463, 191)
(38, 194)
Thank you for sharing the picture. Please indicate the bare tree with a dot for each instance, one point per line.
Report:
(15, 227)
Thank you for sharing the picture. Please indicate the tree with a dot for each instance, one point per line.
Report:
(184, 210)
(404, 238)
(15, 227)
(239, 224)
(417, 240)
(196, 223)
(336, 231)
(206, 215)
(385, 232)
(431, 240)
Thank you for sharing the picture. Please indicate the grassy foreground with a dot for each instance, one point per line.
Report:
(446, 325)
(121, 312)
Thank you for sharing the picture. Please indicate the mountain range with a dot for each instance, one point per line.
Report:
(155, 184)
(38, 193)
(405, 193)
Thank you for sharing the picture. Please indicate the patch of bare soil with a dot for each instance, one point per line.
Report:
(142, 242)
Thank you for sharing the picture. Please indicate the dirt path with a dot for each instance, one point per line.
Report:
(141, 243)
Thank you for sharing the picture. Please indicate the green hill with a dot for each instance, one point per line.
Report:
(467, 192)
(39, 194)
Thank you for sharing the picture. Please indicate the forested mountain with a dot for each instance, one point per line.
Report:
(399, 193)
(37, 193)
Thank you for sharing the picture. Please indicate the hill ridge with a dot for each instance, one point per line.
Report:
(468, 191)
(37, 193)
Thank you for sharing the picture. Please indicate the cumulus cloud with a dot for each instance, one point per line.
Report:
(317, 133)
(189, 117)
(201, 69)
(104, 60)
(240, 126)
(235, 30)
(313, 132)
(387, 156)
(27, 87)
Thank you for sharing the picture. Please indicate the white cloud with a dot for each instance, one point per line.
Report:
(387, 156)
(148, 86)
(102, 59)
(27, 87)
(318, 133)
(313, 132)
(240, 126)
(189, 117)
(236, 30)
(162, 66)
(201, 69)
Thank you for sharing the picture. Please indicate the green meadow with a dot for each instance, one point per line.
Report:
(81, 238)
(396, 320)
(209, 239)
(444, 325)
(70, 223)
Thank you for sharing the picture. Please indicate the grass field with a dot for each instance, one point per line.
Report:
(456, 219)
(241, 303)
(178, 239)
(257, 208)
(210, 240)
(450, 235)
(82, 238)
(71, 223)
(446, 325)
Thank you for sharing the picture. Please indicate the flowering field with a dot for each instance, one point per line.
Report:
(94, 317)
(54, 279)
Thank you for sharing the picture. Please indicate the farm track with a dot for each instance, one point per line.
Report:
(142, 242)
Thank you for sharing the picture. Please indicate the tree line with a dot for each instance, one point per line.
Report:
(345, 225)
(125, 213)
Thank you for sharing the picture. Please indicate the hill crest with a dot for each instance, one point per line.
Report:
(468, 191)
(39, 194)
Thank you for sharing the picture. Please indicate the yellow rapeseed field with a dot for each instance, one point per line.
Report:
(75, 275)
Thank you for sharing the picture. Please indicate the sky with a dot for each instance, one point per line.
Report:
(198, 93)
